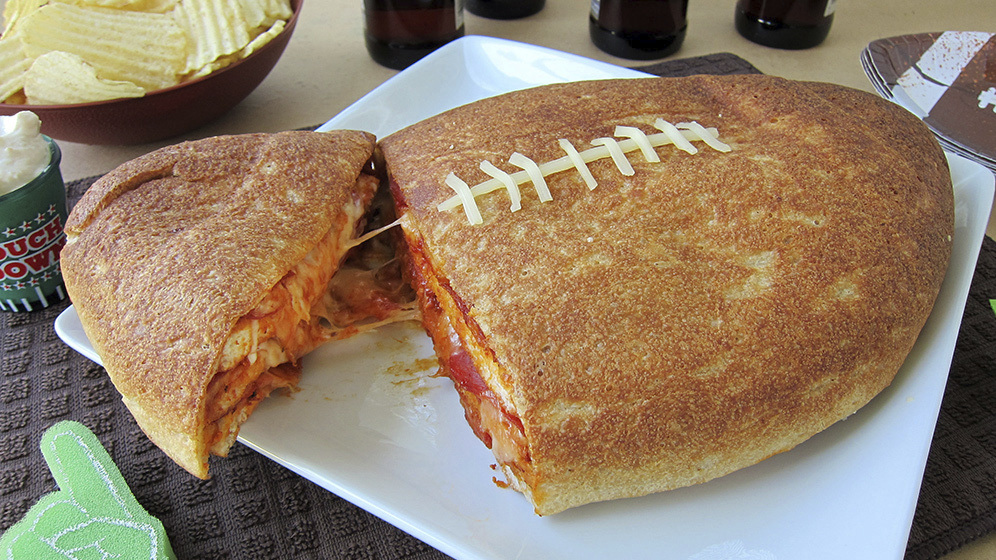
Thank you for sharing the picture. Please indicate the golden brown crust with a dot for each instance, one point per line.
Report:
(169, 250)
(707, 312)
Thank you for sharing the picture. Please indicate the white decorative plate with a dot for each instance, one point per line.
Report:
(373, 426)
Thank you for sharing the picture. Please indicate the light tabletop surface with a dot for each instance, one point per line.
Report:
(326, 68)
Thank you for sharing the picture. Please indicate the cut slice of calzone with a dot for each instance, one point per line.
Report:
(202, 272)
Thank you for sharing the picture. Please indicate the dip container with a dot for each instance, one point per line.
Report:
(31, 237)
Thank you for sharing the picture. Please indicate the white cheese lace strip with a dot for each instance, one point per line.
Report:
(676, 136)
(507, 181)
(638, 136)
(591, 154)
(579, 163)
(706, 135)
(535, 175)
(617, 155)
(466, 198)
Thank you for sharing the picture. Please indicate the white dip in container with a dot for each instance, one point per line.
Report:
(24, 153)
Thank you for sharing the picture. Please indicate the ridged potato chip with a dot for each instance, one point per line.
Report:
(263, 38)
(255, 15)
(221, 62)
(221, 28)
(13, 65)
(152, 6)
(278, 9)
(147, 49)
(152, 44)
(59, 78)
(264, 13)
(217, 28)
(15, 10)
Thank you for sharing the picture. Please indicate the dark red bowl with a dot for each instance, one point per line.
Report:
(163, 113)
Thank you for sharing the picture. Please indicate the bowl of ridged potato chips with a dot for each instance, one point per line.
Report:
(136, 71)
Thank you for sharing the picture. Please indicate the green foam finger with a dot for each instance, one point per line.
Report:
(92, 515)
(80, 469)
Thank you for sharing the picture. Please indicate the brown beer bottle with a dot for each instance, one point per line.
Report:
(400, 32)
(504, 9)
(785, 24)
(638, 29)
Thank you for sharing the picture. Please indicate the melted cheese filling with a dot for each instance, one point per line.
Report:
(475, 374)
(306, 308)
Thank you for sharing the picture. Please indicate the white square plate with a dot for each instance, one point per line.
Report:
(371, 425)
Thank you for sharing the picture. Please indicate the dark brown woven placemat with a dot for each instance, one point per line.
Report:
(253, 508)
(957, 501)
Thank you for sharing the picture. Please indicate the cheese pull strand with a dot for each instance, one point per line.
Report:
(371, 234)
(680, 135)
